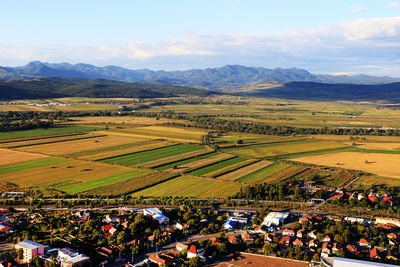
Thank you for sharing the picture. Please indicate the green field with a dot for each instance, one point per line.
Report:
(32, 164)
(80, 187)
(149, 155)
(185, 161)
(186, 186)
(261, 173)
(58, 129)
(216, 166)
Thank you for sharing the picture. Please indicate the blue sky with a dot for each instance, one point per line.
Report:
(321, 36)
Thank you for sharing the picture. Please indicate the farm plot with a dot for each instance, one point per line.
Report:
(185, 163)
(132, 184)
(231, 168)
(234, 175)
(79, 171)
(115, 151)
(32, 164)
(378, 163)
(261, 173)
(106, 181)
(58, 129)
(38, 139)
(283, 174)
(216, 166)
(173, 159)
(73, 146)
(173, 133)
(8, 156)
(149, 155)
(188, 186)
(288, 148)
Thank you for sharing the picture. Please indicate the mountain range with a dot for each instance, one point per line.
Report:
(225, 78)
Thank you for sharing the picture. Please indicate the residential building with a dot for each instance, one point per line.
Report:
(31, 249)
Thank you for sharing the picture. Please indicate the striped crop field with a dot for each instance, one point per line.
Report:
(42, 140)
(58, 129)
(185, 162)
(8, 156)
(277, 149)
(202, 162)
(79, 171)
(32, 164)
(106, 181)
(168, 160)
(283, 174)
(231, 168)
(260, 174)
(125, 149)
(132, 184)
(234, 175)
(73, 146)
(149, 155)
(216, 166)
(189, 186)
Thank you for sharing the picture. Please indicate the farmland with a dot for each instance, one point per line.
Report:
(73, 146)
(153, 156)
(149, 155)
(377, 163)
(188, 186)
(10, 156)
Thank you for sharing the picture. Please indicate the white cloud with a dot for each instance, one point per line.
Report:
(394, 4)
(356, 9)
(346, 47)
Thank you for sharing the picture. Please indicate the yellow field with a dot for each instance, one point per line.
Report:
(365, 182)
(244, 171)
(380, 164)
(268, 151)
(118, 152)
(202, 162)
(74, 146)
(173, 133)
(379, 146)
(11, 156)
(81, 171)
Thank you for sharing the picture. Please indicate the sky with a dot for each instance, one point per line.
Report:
(330, 37)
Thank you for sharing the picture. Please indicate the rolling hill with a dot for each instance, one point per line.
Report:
(225, 78)
(64, 87)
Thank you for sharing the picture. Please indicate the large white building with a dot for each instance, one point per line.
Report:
(344, 262)
(31, 249)
(385, 221)
(275, 218)
(71, 258)
(157, 215)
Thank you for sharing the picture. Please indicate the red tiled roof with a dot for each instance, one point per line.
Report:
(192, 249)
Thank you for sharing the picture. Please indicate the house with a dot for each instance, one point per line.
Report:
(70, 258)
(109, 229)
(30, 249)
(193, 252)
(162, 259)
(363, 243)
(112, 218)
(326, 248)
(373, 198)
(300, 233)
(326, 238)
(246, 237)
(336, 247)
(305, 220)
(375, 254)
(313, 244)
(157, 215)
(288, 232)
(312, 234)
(104, 255)
(351, 249)
(298, 242)
(275, 218)
(284, 241)
(233, 239)
(181, 247)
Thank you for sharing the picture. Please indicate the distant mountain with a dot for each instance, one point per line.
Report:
(330, 92)
(229, 77)
(65, 87)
